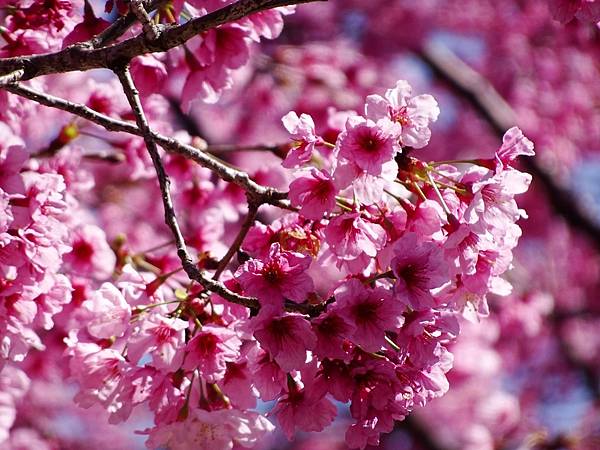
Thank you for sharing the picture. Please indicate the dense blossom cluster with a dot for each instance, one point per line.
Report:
(409, 244)
(339, 311)
(566, 10)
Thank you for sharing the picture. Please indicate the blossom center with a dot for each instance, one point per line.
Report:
(83, 250)
(272, 273)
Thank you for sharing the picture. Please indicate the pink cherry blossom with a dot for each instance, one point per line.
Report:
(306, 409)
(287, 337)
(314, 194)
(372, 311)
(282, 275)
(163, 338)
(210, 350)
(304, 138)
(369, 144)
(218, 430)
(267, 375)
(414, 114)
(109, 312)
(351, 237)
(418, 268)
(332, 330)
(91, 256)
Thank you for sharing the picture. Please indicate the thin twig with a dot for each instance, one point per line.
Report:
(12, 77)
(150, 29)
(259, 193)
(119, 26)
(163, 180)
(239, 239)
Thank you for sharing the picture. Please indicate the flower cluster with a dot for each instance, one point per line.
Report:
(357, 292)
(391, 249)
(33, 240)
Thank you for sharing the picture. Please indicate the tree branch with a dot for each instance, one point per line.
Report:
(150, 30)
(12, 77)
(83, 56)
(239, 239)
(500, 116)
(164, 182)
(259, 193)
(119, 26)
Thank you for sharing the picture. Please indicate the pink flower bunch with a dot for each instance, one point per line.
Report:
(38, 27)
(428, 242)
(213, 57)
(358, 290)
(33, 240)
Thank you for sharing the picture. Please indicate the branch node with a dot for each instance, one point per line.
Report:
(151, 31)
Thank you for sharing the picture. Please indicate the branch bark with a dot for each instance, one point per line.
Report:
(239, 239)
(119, 26)
(192, 270)
(138, 9)
(262, 194)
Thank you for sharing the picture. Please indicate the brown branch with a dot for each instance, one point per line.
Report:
(150, 30)
(12, 77)
(164, 182)
(239, 239)
(257, 193)
(119, 26)
(500, 116)
(83, 56)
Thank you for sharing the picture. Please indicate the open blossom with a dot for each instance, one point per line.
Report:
(109, 312)
(268, 377)
(418, 267)
(514, 144)
(373, 404)
(163, 338)
(494, 199)
(210, 350)
(304, 138)
(91, 255)
(286, 337)
(414, 114)
(369, 144)
(238, 384)
(282, 275)
(215, 430)
(372, 311)
(306, 408)
(314, 194)
(332, 330)
(350, 235)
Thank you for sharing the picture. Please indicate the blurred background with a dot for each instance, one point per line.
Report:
(527, 376)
